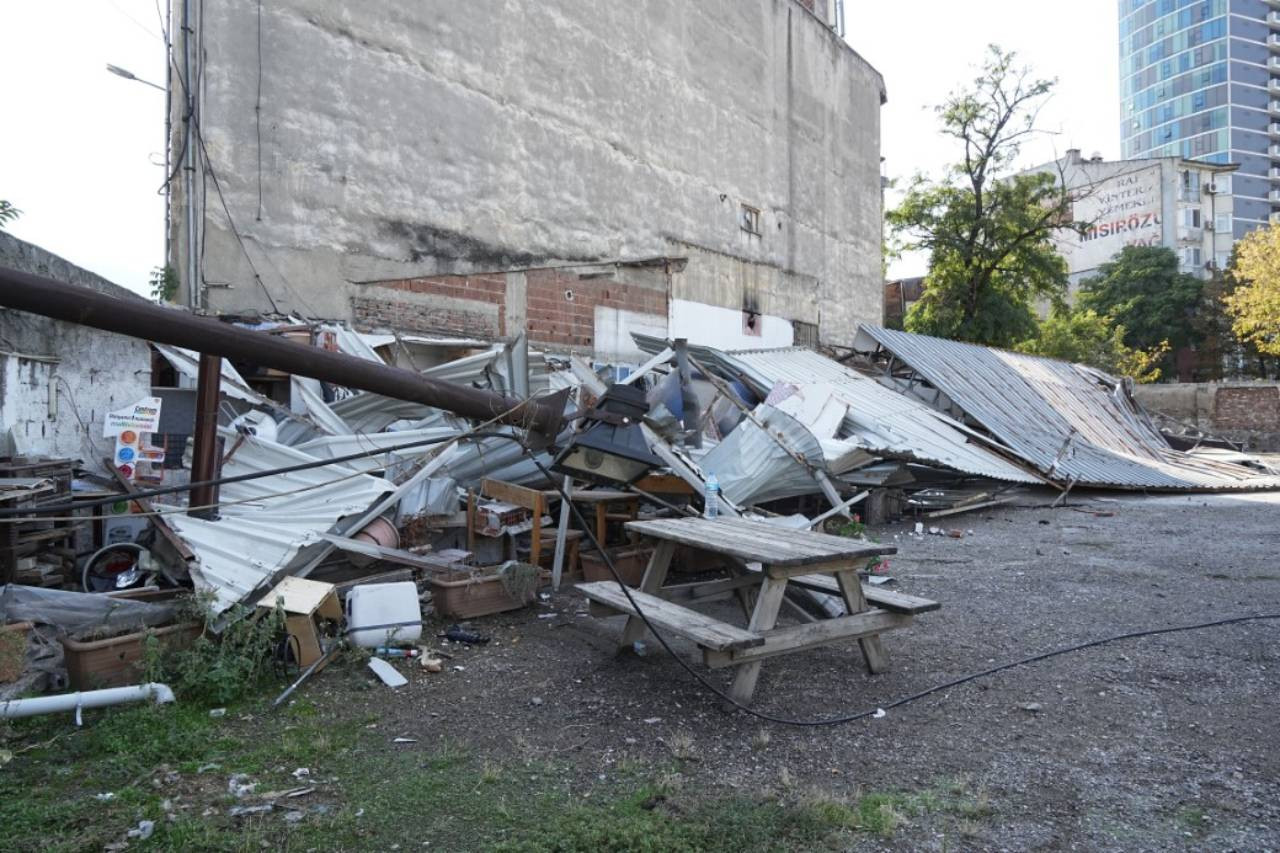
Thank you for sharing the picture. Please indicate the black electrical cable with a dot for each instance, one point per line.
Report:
(241, 478)
(872, 712)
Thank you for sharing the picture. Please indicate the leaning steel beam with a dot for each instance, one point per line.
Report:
(142, 319)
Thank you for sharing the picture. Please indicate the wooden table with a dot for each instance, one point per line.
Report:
(601, 499)
(768, 558)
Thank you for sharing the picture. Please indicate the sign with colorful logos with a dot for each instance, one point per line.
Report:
(142, 416)
(135, 458)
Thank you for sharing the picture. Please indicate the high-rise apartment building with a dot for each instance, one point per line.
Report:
(1200, 80)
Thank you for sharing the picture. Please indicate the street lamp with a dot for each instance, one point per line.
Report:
(612, 450)
(129, 75)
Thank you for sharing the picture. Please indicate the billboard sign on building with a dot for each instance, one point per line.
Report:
(1123, 210)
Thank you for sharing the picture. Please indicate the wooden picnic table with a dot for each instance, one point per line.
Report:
(766, 558)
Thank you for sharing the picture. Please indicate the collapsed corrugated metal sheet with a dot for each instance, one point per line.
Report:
(187, 363)
(752, 466)
(877, 419)
(267, 523)
(1070, 422)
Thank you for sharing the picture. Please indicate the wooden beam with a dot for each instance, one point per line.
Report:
(824, 632)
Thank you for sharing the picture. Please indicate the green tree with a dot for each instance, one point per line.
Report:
(164, 283)
(1254, 304)
(989, 233)
(8, 213)
(1142, 290)
(1084, 336)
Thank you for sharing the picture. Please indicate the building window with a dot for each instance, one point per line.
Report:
(1222, 185)
(1221, 260)
(1191, 217)
(1222, 224)
(804, 334)
(749, 219)
(1191, 258)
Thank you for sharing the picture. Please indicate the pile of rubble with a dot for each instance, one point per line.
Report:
(347, 488)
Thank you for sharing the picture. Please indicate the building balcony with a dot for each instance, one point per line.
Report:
(1273, 130)
(1274, 151)
(1273, 41)
(1274, 196)
(1274, 107)
(1275, 218)
(1273, 62)
(1273, 18)
(1274, 173)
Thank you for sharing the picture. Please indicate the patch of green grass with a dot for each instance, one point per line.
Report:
(881, 814)
(371, 794)
(1193, 819)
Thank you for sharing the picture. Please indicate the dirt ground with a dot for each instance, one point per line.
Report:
(1150, 744)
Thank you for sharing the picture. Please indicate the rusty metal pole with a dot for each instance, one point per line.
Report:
(141, 319)
(204, 449)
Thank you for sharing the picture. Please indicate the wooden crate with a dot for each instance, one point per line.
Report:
(462, 596)
(630, 563)
(118, 661)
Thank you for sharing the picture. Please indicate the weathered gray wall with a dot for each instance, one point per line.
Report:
(1244, 412)
(409, 139)
(57, 380)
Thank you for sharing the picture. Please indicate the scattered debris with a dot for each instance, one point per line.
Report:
(456, 634)
(387, 673)
(248, 811)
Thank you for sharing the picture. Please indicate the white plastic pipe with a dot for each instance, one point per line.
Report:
(159, 693)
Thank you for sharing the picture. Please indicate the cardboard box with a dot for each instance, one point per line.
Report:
(305, 603)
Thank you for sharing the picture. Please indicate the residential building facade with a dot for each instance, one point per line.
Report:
(1184, 205)
(1200, 80)
(573, 171)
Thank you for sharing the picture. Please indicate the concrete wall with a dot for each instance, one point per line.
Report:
(57, 380)
(401, 141)
(1248, 413)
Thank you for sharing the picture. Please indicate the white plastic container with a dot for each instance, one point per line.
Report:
(374, 604)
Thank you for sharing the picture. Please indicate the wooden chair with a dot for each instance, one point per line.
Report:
(534, 501)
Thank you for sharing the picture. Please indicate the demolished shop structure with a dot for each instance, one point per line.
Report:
(801, 424)
(1070, 423)
(784, 430)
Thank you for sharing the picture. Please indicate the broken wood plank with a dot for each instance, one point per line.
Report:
(391, 555)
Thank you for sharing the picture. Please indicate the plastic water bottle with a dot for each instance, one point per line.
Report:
(711, 502)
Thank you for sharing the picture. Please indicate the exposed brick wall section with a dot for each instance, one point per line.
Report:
(557, 319)
(560, 308)
(1255, 409)
(394, 314)
(375, 312)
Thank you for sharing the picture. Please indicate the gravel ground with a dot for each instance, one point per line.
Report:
(1150, 744)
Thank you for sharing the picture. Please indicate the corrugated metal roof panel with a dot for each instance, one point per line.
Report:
(265, 523)
(1070, 422)
(879, 420)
